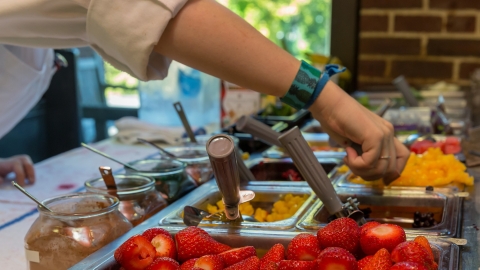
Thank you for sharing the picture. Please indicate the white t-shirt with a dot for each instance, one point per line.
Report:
(25, 75)
(123, 32)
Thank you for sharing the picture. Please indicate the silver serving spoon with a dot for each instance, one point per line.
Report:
(163, 151)
(31, 196)
(107, 156)
(192, 216)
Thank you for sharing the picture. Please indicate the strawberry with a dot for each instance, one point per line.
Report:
(333, 257)
(136, 253)
(297, 265)
(152, 232)
(343, 233)
(380, 261)
(408, 266)
(194, 242)
(303, 247)
(425, 244)
(268, 266)
(164, 246)
(209, 262)
(275, 255)
(188, 265)
(412, 252)
(365, 227)
(363, 262)
(252, 263)
(236, 255)
(163, 263)
(386, 236)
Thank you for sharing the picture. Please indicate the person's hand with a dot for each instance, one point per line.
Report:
(343, 118)
(21, 165)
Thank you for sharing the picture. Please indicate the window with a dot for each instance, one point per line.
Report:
(298, 26)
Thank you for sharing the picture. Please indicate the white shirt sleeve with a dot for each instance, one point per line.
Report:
(124, 32)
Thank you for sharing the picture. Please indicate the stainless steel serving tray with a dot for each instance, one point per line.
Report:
(446, 253)
(268, 169)
(396, 207)
(343, 181)
(265, 197)
(313, 139)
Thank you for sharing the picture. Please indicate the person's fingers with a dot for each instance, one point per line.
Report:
(402, 155)
(19, 173)
(28, 168)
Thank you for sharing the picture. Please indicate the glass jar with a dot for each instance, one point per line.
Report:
(196, 157)
(80, 224)
(138, 198)
(169, 175)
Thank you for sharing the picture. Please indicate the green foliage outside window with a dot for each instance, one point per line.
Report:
(298, 26)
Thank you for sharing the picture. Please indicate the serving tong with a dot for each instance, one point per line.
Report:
(307, 164)
(223, 157)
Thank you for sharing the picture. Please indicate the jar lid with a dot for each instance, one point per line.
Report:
(126, 184)
(80, 205)
(164, 166)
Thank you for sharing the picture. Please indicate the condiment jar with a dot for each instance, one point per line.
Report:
(80, 224)
(169, 175)
(138, 198)
(195, 156)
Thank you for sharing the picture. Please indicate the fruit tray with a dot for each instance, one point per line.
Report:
(446, 253)
(396, 207)
(266, 169)
(344, 181)
(265, 197)
(317, 141)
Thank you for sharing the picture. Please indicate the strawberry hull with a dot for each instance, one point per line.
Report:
(446, 253)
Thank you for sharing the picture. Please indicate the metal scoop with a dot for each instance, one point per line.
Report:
(39, 203)
(160, 149)
(107, 156)
(307, 164)
(192, 216)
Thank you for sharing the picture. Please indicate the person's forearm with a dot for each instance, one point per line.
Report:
(209, 37)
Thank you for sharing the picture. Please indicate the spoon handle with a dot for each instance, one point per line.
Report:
(107, 156)
(30, 196)
(163, 151)
(178, 107)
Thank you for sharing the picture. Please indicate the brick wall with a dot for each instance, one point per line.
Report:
(425, 40)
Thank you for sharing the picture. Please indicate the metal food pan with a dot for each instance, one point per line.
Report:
(446, 253)
(265, 197)
(396, 207)
(268, 169)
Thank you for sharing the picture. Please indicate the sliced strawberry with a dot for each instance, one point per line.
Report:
(252, 263)
(297, 265)
(342, 233)
(236, 255)
(303, 247)
(275, 255)
(209, 262)
(365, 227)
(188, 265)
(452, 149)
(452, 141)
(425, 244)
(164, 246)
(333, 257)
(136, 253)
(363, 262)
(408, 266)
(152, 232)
(194, 242)
(420, 147)
(163, 263)
(386, 236)
(411, 251)
(380, 261)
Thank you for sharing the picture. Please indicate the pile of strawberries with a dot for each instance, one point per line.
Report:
(341, 245)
